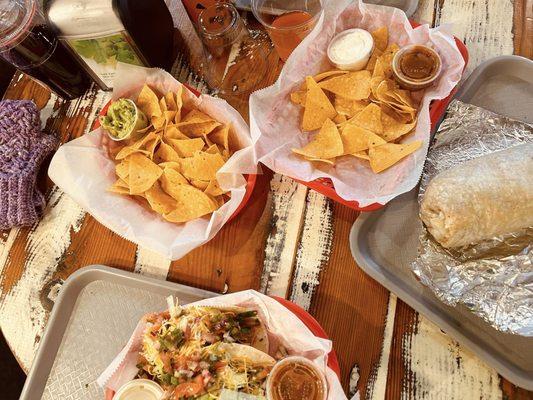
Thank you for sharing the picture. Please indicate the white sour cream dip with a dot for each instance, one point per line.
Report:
(351, 49)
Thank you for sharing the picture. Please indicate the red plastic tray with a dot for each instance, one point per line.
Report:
(436, 111)
(307, 319)
(250, 178)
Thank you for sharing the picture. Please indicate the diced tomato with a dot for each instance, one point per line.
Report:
(189, 389)
(166, 362)
(165, 314)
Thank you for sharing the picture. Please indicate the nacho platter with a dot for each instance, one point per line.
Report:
(437, 110)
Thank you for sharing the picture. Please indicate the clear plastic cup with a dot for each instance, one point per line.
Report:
(287, 22)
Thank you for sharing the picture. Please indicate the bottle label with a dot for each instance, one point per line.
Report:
(101, 55)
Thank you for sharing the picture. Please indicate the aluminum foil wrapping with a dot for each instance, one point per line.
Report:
(494, 278)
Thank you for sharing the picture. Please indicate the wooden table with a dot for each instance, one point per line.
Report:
(289, 241)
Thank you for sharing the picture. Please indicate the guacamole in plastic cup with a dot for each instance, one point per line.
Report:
(122, 119)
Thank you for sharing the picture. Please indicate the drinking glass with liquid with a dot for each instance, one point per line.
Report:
(287, 22)
(30, 45)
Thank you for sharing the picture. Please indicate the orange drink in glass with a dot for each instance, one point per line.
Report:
(287, 22)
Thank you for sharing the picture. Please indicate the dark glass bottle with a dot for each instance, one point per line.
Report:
(29, 44)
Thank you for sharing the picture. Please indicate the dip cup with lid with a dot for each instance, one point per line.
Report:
(296, 377)
(351, 49)
(140, 389)
(123, 119)
(416, 66)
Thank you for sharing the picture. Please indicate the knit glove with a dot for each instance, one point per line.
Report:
(23, 148)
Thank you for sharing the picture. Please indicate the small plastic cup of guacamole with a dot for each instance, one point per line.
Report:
(123, 119)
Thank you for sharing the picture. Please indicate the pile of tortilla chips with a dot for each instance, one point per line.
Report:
(171, 166)
(362, 114)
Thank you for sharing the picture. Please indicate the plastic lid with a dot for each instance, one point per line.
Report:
(139, 389)
(15, 20)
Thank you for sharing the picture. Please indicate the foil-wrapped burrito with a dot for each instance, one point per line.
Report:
(484, 197)
(475, 195)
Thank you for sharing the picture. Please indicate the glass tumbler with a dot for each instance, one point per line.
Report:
(287, 22)
(236, 61)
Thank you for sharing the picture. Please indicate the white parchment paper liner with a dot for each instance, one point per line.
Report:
(82, 169)
(283, 327)
(275, 121)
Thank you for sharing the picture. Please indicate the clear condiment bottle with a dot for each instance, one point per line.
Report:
(30, 45)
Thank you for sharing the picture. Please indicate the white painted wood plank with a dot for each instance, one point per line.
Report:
(314, 249)
(442, 369)
(425, 11)
(288, 200)
(152, 264)
(377, 385)
(485, 26)
(23, 313)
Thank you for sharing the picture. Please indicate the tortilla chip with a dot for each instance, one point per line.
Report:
(148, 103)
(191, 202)
(321, 160)
(386, 155)
(136, 147)
(202, 165)
(178, 96)
(160, 201)
(318, 108)
(361, 154)
(202, 185)
(353, 86)
(119, 187)
(321, 76)
(213, 189)
(175, 165)
(340, 119)
(393, 129)
(143, 173)
(349, 107)
(213, 149)
(172, 132)
(325, 145)
(369, 118)
(197, 124)
(171, 178)
(381, 38)
(151, 146)
(328, 74)
(376, 53)
(299, 97)
(186, 147)
(356, 139)
(123, 169)
(386, 59)
(166, 153)
(221, 136)
(170, 100)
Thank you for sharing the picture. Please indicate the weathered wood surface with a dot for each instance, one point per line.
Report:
(288, 241)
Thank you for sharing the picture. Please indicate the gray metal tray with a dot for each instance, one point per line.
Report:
(96, 311)
(385, 242)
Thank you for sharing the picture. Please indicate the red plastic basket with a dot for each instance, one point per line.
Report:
(436, 112)
(314, 327)
(250, 178)
(303, 316)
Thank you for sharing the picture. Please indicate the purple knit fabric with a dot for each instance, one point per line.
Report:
(23, 148)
